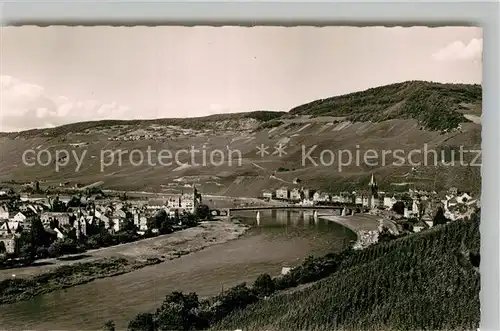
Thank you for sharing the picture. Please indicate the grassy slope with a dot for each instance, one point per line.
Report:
(422, 282)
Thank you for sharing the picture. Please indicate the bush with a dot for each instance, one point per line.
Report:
(63, 247)
(264, 285)
(143, 322)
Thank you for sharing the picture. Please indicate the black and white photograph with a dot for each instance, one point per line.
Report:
(260, 178)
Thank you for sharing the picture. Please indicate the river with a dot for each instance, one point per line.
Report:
(278, 239)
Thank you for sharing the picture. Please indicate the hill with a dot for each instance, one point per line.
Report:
(436, 106)
(355, 124)
(206, 122)
(427, 281)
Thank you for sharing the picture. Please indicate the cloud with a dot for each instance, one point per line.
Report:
(458, 51)
(25, 106)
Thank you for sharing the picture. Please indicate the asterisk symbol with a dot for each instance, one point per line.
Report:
(262, 150)
(280, 150)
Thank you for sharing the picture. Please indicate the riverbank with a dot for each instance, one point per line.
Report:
(124, 258)
(18, 289)
(363, 225)
(357, 223)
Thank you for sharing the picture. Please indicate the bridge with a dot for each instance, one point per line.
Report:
(343, 209)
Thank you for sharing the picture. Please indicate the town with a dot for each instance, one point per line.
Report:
(35, 227)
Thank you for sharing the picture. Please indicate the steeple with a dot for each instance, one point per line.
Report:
(372, 183)
(373, 186)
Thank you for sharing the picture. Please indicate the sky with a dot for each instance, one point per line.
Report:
(56, 75)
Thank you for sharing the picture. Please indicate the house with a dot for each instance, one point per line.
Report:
(9, 243)
(59, 234)
(418, 228)
(296, 194)
(105, 219)
(121, 213)
(267, 195)
(415, 209)
(114, 224)
(347, 197)
(9, 227)
(4, 213)
(463, 198)
(24, 218)
(141, 221)
(308, 193)
(336, 198)
(283, 193)
(321, 197)
(453, 191)
(61, 218)
(80, 226)
(389, 202)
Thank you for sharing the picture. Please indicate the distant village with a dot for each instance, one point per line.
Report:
(87, 219)
(413, 211)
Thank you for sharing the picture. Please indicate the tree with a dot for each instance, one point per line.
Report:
(39, 236)
(62, 247)
(58, 205)
(439, 217)
(75, 201)
(128, 226)
(177, 312)
(25, 249)
(264, 285)
(422, 207)
(399, 207)
(3, 249)
(109, 326)
(170, 317)
(142, 322)
(203, 211)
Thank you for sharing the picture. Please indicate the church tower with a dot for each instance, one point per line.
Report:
(196, 199)
(373, 192)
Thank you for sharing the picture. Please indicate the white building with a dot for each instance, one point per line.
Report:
(9, 227)
(295, 194)
(4, 213)
(141, 221)
(321, 197)
(61, 218)
(19, 217)
(282, 193)
(10, 244)
(389, 202)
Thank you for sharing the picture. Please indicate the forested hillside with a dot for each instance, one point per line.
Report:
(436, 106)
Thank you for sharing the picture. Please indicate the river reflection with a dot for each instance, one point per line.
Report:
(276, 239)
